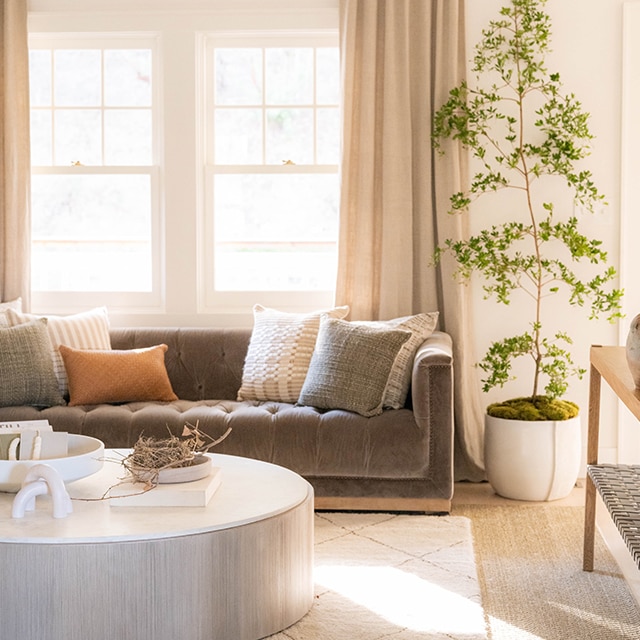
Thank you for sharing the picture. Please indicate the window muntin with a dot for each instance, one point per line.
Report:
(94, 178)
(272, 167)
(92, 106)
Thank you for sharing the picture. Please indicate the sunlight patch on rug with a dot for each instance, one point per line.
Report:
(402, 598)
(380, 576)
(594, 619)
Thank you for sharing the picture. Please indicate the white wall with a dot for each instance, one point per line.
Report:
(587, 52)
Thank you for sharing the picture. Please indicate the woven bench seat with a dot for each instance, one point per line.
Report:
(619, 487)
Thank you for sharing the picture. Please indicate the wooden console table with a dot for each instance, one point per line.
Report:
(619, 485)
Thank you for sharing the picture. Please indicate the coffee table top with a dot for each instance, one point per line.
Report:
(250, 490)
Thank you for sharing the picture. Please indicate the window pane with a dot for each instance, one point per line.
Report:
(127, 137)
(238, 74)
(78, 136)
(127, 77)
(289, 136)
(289, 76)
(275, 232)
(328, 76)
(238, 138)
(77, 78)
(41, 149)
(91, 233)
(328, 135)
(40, 78)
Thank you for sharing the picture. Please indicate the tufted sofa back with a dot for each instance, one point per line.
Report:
(202, 363)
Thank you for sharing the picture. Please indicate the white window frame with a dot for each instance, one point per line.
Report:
(179, 27)
(211, 300)
(131, 302)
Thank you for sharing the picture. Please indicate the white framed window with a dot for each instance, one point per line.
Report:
(271, 190)
(95, 171)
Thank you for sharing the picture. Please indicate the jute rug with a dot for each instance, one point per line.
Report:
(529, 562)
(400, 577)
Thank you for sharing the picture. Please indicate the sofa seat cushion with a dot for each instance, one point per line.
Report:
(329, 443)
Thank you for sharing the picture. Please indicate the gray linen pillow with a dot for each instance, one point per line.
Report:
(421, 327)
(350, 366)
(26, 369)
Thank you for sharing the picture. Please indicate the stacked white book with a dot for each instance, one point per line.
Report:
(185, 494)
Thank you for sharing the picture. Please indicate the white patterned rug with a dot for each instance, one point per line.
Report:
(399, 577)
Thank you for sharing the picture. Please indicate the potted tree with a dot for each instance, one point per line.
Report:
(522, 132)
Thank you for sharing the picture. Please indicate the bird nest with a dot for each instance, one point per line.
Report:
(151, 455)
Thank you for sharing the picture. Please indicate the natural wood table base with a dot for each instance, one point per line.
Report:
(239, 577)
(608, 363)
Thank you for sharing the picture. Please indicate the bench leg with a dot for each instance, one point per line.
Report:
(595, 382)
(589, 525)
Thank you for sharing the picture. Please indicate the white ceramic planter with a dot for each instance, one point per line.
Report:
(531, 460)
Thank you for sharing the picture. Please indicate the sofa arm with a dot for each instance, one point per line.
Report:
(432, 399)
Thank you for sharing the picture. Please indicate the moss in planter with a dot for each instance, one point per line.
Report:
(536, 408)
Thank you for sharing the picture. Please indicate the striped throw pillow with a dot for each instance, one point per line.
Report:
(5, 306)
(86, 330)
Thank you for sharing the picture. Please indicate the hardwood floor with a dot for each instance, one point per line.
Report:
(482, 493)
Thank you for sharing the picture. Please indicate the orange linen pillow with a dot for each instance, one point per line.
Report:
(98, 376)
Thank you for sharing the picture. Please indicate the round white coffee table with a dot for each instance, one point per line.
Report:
(239, 568)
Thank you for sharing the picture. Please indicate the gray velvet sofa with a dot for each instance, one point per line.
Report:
(401, 460)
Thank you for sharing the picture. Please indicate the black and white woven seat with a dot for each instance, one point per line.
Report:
(619, 487)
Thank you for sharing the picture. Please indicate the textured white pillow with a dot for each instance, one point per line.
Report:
(279, 353)
(421, 327)
(86, 330)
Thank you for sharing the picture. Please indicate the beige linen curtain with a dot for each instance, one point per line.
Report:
(399, 60)
(15, 221)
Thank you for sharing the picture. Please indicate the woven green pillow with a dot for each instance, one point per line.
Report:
(350, 366)
(26, 369)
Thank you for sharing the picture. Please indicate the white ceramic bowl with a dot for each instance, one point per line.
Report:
(86, 457)
(200, 468)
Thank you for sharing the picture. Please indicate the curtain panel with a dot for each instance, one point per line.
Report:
(15, 169)
(399, 59)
